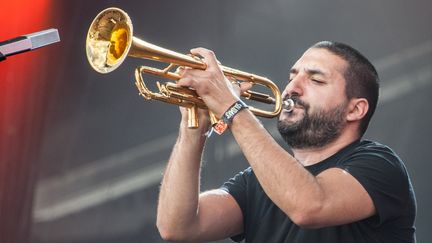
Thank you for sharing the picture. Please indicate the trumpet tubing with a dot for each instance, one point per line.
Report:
(110, 40)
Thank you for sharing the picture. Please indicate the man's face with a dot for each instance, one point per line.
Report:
(317, 85)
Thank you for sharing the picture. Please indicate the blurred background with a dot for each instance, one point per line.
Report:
(82, 153)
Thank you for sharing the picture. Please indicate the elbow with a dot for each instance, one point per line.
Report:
(307, 218)
(168, 235)
(169, 232)
(304, 221)
(166, 232)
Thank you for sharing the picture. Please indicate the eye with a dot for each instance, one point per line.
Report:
(318, 81)
(289, 80)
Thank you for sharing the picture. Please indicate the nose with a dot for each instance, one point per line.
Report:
(294, 87)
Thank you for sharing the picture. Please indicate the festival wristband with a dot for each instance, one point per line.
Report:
(228, 116)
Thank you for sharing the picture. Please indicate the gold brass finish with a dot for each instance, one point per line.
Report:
(110, 39)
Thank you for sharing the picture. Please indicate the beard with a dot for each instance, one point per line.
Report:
(313, 130)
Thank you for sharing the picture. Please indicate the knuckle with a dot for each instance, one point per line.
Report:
(185, 81)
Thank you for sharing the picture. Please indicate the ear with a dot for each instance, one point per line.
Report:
(357, 109)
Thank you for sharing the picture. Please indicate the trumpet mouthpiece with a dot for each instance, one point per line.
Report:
(288, 105)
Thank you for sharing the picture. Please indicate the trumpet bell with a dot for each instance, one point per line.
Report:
(109, 40)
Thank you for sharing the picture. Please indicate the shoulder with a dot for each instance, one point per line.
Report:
(382, 173)
(379, 169)
(372, 147)
(374, 161)
(373, 154)
(239, 181)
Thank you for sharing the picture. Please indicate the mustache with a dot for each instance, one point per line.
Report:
(297, 101)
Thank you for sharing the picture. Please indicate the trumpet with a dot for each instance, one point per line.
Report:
(110, 40)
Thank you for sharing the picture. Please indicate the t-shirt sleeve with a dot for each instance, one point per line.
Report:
(237, 186)
(383, 176)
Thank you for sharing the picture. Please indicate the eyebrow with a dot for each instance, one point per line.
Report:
(309, 71)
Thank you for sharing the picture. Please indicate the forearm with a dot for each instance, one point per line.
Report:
(179, 192)
(282, 177)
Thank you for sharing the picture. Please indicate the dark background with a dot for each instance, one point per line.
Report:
(99, 149)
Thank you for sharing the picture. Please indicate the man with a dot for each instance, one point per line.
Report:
(334, 188)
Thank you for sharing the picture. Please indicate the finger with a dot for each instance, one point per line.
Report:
(195, 74)
(208, 56)
(244, 86)
(182, 110)
(236, 86)
(180, 70)
(232, 79)
(186, 82)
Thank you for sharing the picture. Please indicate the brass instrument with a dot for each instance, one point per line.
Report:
(110, 40)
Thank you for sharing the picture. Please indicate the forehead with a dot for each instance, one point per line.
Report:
(321, 59)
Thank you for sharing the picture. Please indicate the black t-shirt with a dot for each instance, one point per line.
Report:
(379, 170)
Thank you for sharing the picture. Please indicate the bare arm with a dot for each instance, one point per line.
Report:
(183, 214)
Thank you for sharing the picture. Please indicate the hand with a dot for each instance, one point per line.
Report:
(240, 87)
(211, 84)
(203, 122)
(202, 115)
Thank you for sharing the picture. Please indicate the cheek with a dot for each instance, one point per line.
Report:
(323, 100)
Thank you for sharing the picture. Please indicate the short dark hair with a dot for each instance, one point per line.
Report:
(361, 77)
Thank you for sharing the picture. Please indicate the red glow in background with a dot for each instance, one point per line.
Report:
(23, 81)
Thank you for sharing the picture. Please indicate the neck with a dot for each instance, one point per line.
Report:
(310, 156)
